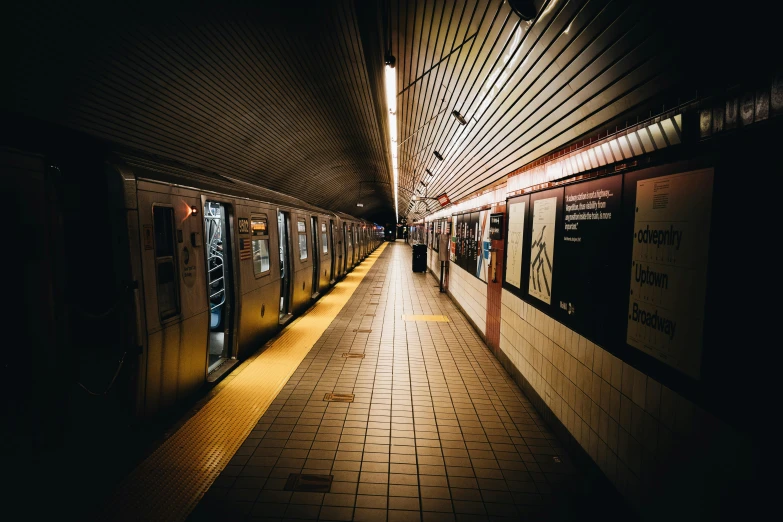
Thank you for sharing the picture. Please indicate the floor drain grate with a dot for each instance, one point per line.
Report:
(339, 397)
(312, 483)
(365, 330)
(353, 355)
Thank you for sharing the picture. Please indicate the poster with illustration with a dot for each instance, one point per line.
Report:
(542, 249)
(483, 246)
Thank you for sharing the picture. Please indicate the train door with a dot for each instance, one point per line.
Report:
(220, 282)
(284, 235)
(334, 251)
(316, 254)
(351, 256)
(346, 242)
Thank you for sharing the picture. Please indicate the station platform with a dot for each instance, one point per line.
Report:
(381, 403)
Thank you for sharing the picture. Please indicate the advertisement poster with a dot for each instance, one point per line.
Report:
(669, 268)
(542, 249)
(483, 254)
(590, 243)
(496, 226)
(453, 253)
(517, 210)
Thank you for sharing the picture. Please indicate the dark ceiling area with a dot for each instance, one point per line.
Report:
(290, 95)
(285, 95)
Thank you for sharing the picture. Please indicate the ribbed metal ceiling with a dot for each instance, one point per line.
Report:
(522, 88)
(285, 95)
(289, 95)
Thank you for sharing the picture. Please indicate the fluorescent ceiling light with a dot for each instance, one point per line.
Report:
(391, 102)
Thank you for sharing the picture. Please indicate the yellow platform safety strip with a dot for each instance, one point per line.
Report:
(431, 318)
(169, 483)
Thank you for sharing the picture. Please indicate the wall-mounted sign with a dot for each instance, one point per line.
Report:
(542, 249)
(517, 210)
(244, 225)
(669, 268)
(589, 267)
(496, 226)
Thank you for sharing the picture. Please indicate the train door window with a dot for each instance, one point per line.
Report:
(316, 264)
(332, 228)
(259, 226)
(217, 233)
(324, 239)
(165, 264)
(301, 229)
(283, 229)
(219, 282)
(346, 246)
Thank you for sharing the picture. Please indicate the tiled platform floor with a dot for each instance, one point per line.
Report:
(437, 431)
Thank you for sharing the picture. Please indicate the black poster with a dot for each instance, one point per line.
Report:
(589, 247)
(461, 240)
(473, 259)
(496, 226)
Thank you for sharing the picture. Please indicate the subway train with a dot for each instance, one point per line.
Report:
(149, 280)
(220, 270)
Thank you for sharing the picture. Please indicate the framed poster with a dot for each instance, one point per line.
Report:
(483, 245)
(667, 287)
(590, 266)
(544, 216)
(516, 209)
(496, 226)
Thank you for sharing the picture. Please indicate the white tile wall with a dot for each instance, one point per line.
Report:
(625, 420)
(471, 294)
(433, 262)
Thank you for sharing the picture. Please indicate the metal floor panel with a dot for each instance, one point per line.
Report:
(171, 481)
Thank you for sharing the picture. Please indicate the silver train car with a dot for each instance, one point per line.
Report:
(140, 283)
(221, 267)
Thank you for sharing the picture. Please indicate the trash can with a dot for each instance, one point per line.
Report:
(419, 257)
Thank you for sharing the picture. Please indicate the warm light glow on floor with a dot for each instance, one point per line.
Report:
(171, 481)
(431, 318)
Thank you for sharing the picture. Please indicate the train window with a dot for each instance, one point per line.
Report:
(260, 243)
(165, 264)
(302, 230)
(324, 240)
